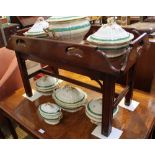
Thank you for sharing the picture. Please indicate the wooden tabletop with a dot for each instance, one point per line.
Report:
(137, 124)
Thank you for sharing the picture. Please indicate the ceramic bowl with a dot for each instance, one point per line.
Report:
(72, 28)
(94, 110)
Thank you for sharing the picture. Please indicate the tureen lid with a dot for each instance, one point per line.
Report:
(69, 94)
(64, 18)
(95, 106)
(46, 81)
(49, 108)
(110, 33)
(38, 27)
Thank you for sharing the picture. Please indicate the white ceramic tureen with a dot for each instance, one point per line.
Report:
(94, 110)
(111, 38)
(72, 28)
(37, 30)
(50, 112)
(46, 84)
(69, 98)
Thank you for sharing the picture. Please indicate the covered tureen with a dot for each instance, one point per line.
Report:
(72, 28)
(37, 30)
(46, 84)
(69, 98)
(50, 112)
(94, 110)
(111, 38)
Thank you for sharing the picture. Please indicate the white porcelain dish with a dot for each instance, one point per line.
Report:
(111, 34)
(37, 30)
(69, 98)
(111, 38)
(50, 112)
(72, 28)
(69, 94)
(46, 84)
(94, 110)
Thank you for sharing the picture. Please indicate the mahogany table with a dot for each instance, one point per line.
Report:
(137, 124)
(85, 59)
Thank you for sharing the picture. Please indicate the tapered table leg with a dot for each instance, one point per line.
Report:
(1, 135)
(130, 82)
(11, 128)
(107, 104)
(24, 74)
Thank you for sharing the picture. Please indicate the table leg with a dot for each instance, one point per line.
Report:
(1, 135)
(130, 82)
(11, 128)
(24, 74)
(107, 104)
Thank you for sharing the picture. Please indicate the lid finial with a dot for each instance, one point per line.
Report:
(110, 20)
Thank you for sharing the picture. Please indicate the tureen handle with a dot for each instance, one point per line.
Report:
(45, 77)
(39, 19)
(46, 30)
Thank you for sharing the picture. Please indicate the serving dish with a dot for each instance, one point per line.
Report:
(72, 28)
(46, 84)
(37, 30)
(111, 38)
(50, 112)
(93, 110)
(69, 98)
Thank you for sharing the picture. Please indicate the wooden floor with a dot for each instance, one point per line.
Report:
(137, 124)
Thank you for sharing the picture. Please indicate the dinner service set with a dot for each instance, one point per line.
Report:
(71, 99)
(110, 38)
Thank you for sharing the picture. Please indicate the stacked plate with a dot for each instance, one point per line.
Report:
(51, 113)
(112, 39)
(94, 111)
(37, 30)
(46, 84)
(69, 98)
